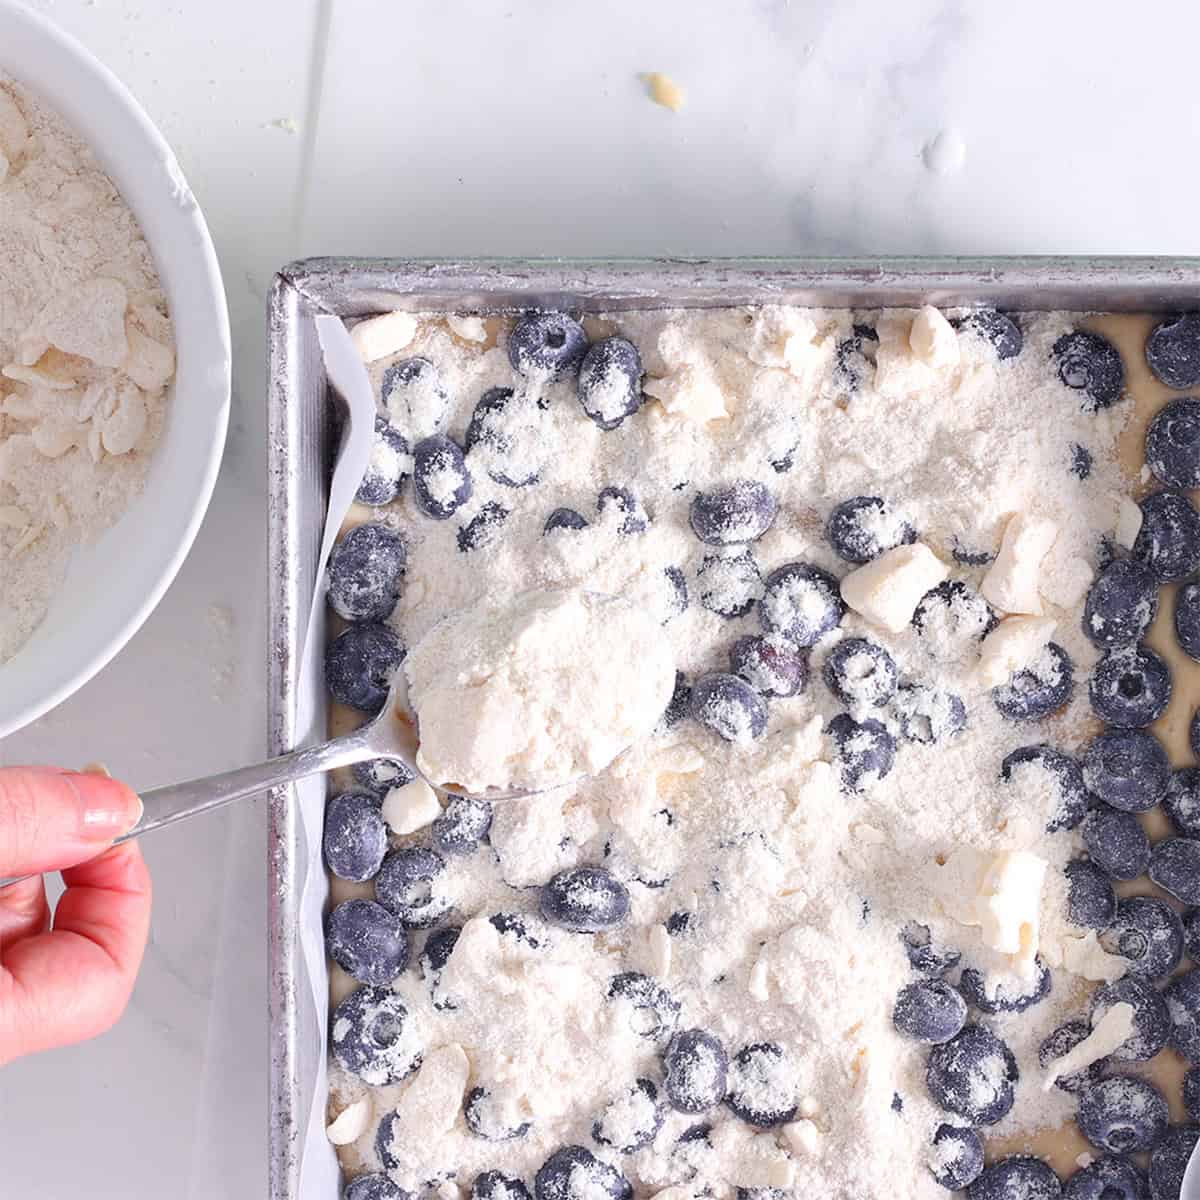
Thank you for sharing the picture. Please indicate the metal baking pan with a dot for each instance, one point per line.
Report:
(299, 449)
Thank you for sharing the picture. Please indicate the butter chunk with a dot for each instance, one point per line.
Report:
(389, 333)
(350, 1124)
(887, 591)
(411, 807)
(1107, 1035)
(1128, 523)
(431, 1103)
(1009, 903)
(1011, 647)
(804, 1138)
(1011, 584)
(933, 340)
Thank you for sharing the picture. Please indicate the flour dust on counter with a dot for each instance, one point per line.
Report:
(847, 916)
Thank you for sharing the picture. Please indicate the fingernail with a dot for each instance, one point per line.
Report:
(107, 807)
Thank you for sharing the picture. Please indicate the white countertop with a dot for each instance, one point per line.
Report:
(429, 128)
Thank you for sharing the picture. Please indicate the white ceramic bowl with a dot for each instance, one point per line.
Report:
(114, 584)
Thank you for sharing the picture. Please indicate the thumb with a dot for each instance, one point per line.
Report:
(51, 819)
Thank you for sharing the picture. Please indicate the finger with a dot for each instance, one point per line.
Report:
(74, 982)
(51, 819)
(23, 911)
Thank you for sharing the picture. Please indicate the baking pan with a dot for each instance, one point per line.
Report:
(299, 448)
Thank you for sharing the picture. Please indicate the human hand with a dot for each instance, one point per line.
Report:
(67, 982)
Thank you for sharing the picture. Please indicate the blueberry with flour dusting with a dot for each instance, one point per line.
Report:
(1091, 898)
(441, 478)
(644, 1005)
(1191, 933)
(1182, 801)
(1005, 993)
(1090, 364)
(389, 465)
(866, 751)
(380, 775)
(952, 618)
(770, 665)
(1041, 771)
(366, 941)
(801, 602)
(695, 1071)
(483, 528)
(730, 707)
(973, 1076)
(631, 1121)
(929, 1011)
(1108, 1178)
(1127, 768)
(360, 663)
(1168, 543)
(862, 528)
(860, 673)
(1173, 351)
(1175, 867)
(925, 955)
(956, 1158)
(573, 1173)
(565, 518)
(1062, 1041)
(546, 345)
(1169, 1160)
(374, 1037)
(1130, 687)
(505, 437)
(998, 329)
(610, 381)
(462, 825)
(365, 575)
(412, 884)
(585, 900)
(415, 397)
(1040, 689)
(495, 1185)
(621, 504)
(355, 836)
(1122, 1115)
(762, 1086)
(1173, 444)
(1020, 1177)
(733, 515)
(1116, 842)
(1187, 619)
(1148, 934)
(374, 1187)
(489, 1117)
(1151, 1021)
(928, 714)
(1191, 1092)
(729, 584)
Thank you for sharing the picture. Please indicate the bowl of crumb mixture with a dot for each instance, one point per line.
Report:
(114, 366)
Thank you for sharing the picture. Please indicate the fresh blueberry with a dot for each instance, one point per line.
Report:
(380, 775)
(1116, 842)
(564, 518)
(1006, 996)
(385, 1140)
(364, 939)
(416, 398)
(1148, 933)
(487, 1118)
(680, 922)
(863, 527)
(860, 673)
(801, 603)
(1173, 352)
(973, 1076)
(998, 328)
(1091, 900)
(360, 663)
(1169, 1160)
(373, 1037)
(462, 825)
(632, 1121)
(731, 516)
(695, 1070)
(628, 508)
(387, 468)
(573, 1173)
(1187, 619)
(1037, 767)
(1081, 461)
(649, 1009)
(927, 714)
(610, 381)
(1121, 605)
(494, 1185)
(1108, 1178)
(1128, 769)
(1175, 867)
(366, 573)
(504, 435)
(680, 703)
(1151, 1022)
(1062, 1041)
(957, 1159)
(762, 1086)
(1040, 689)
(482, 529)
(770, 665)
(412, 884)
(852, 361)
(730, 707)
(930, 1011)
(924, 954)
(1191, 933)
(952, 617)
(1122, 1114)
(441, 478)
(1173, 444)
(1091, 364)
(1130, 687)
(675, 601)
(866, 750)
(439, 945)
(730, 584)
(1021, 1177)
(523, 928)
(585, 900)
(355, 839)
(1168, 543)
(374, 1187)
(1191, 1092)
(546, 345)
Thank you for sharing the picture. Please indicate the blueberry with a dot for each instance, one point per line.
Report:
(1091, 900)
(679, 922)
(1175, 867)
(930, 1011)
(997, 328)
(573, 1173)
(564, 518)
(483, 528)
(1122, 1114)
(521, 927)
(1039, 767)
(355, 838)
(1191, 1092)
(1173, 352)
(852, 363)
(860, 673)
(1128, 769)
(969, 557)
(862, 528)
(632, 1121)
(415, 396)
(1169, 1160)
(1130, 687)
(1021, 1177)
(387, 468)
(1040, 689)
(1116, 842)
(585, 900)
(1007, 996)
(957, 1158)
(866, 750)
(373, 1037)
(546, 345)
(649, 1009)
(627, 506)
(1108, 1178)
(973, 1076)
(952, 617)
(439, 945)
(740, 513)
(1191, 933)
(1148, 933)
(924, 954)
(441, 478)
(1182, 801)
(1121, 604)
(380, 775)
(487, 1118)
(1151, 1024)
(1182, 997)
(680, 703)
(374, 1187)
(927, 714)
(1062, 1041)
(1090, 363)
(730, 707)
(610, 381)
(1168, 543)
(364, 939)
(801, 603)
(462, 825)
(504, 435)
(1173, 444)
(385, 1141)
(1081, 461)
(1194, 733)
(359, 665)
(366, 573)
(494, 1185)
(1187, 619)
(770, 665)
(762, 1086)
(730, 584)
(412, 884)
(695, 1070)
